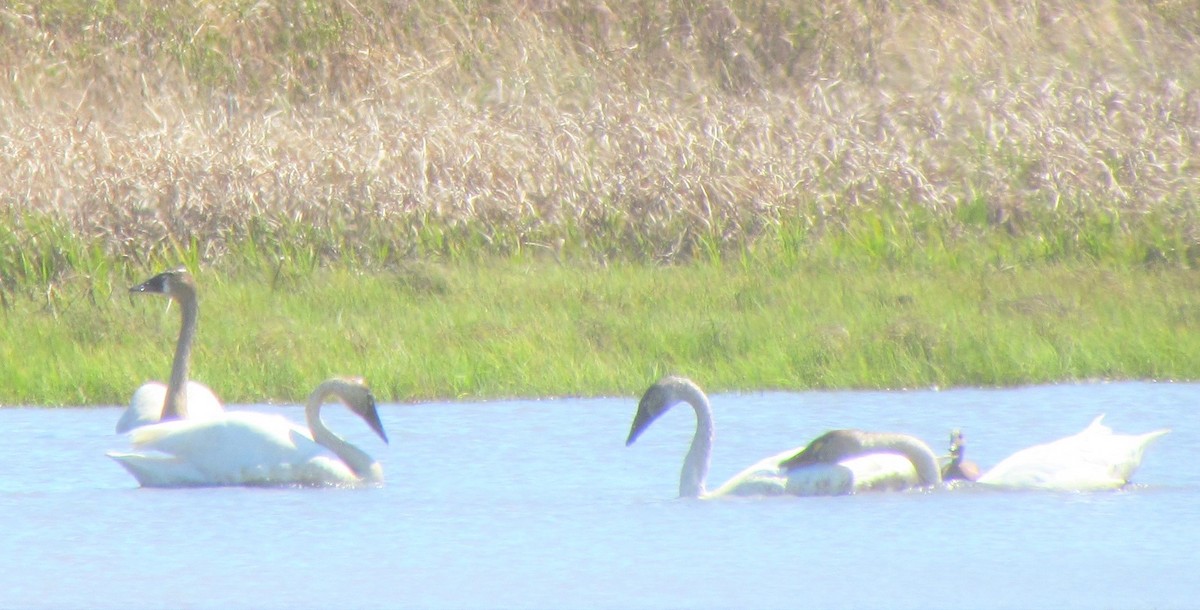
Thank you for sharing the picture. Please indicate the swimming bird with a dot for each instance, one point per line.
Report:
(848, 461)
(958, 468)
(247, 448)
(179, 398)
(1093, 460)
(839, 462)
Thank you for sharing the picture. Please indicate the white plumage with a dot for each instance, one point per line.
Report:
(147, 404)
(245, 448)
(1092, 460)
(838, 462)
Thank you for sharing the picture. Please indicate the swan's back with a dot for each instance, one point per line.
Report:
(763, 478)
(870, 472)
(146, 406)
(240, 448)
(1094, 459)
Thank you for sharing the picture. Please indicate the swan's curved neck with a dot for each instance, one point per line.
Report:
(695, 465)
(915, 450)
(358, 460)
(175, 405)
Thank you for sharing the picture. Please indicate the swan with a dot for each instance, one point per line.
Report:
(178, 398)
(848, 461)
(246, 448)
(838, 462)
(1095, 459)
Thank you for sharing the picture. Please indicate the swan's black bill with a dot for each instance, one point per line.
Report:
(154, 285)
(369, 413)
(372, 419)
(161, 283)
(641, 420)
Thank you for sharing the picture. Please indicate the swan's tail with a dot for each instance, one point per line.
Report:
(1128, 449)
(159, 470)
(1097, 425)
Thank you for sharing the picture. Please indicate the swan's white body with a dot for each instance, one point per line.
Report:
(179, 398)
(147, 404)
(869, 465)
(1093, 460)
(245, 448)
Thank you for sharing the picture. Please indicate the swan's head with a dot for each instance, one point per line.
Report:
(661, 396)
(355, 394)
(171, 283)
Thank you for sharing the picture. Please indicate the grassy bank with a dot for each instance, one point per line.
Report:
(499, 198)
(817, 317)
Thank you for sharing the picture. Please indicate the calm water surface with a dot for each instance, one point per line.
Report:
(538, 504)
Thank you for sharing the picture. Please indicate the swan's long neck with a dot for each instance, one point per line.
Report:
(175, 405)
(915, 450)
(695, 464)
(358, 460)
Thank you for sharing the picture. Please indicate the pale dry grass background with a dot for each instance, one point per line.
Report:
(633, 129)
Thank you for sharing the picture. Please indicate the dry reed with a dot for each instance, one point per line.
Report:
(636, 129)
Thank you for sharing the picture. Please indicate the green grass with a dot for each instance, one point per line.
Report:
(870, 307)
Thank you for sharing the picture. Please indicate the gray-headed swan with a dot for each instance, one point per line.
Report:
(839, 462)
(178, 398)
(1095, 459)
(246, 448)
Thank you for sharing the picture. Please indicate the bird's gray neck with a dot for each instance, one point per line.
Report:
(175, 404)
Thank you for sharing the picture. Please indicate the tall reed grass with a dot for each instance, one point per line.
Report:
(380, 131)
(489, 198)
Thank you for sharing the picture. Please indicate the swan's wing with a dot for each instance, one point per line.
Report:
(763, 478)
(145, 407)
(238, 448)
(1092, 460)
(202, 402)
(870, 472)
(160, 470)
(1037, 470)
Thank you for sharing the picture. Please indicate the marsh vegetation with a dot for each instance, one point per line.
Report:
(501, 198)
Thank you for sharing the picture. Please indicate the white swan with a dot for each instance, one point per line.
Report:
(178, 398)
(245, 448)
(1095, 459)
(839, 462)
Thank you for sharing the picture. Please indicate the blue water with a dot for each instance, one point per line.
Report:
(538, 504)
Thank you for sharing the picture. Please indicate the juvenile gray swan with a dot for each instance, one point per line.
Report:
(838, 462)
